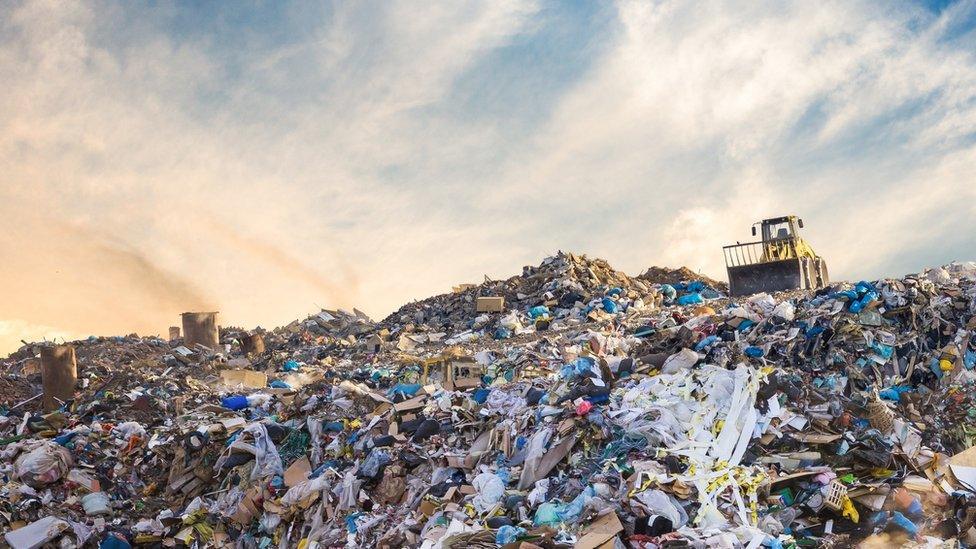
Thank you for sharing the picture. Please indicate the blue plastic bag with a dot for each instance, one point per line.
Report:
(754, 352)
(668, 292)
(114, 540)
(332, 426)
(234, 402)
(405, 389)
(690, 299)
(894, 393)
(480, 395)
(706, 342)
(508, 534)
(903, 522)
(554, 513)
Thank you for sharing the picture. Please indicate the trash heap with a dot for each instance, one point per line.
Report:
(587, 409)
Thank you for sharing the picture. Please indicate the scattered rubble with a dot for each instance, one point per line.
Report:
(575, 407)
(665, 275)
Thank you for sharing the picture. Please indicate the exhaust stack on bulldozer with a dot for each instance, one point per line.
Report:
(780, 261)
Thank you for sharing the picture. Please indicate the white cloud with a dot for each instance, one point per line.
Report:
(726, 112)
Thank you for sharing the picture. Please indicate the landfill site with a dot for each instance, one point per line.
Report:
(570, 405)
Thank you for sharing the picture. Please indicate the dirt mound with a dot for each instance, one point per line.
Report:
(666, 275)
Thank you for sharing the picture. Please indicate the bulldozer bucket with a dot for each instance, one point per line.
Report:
(780, 261)
(770, 276)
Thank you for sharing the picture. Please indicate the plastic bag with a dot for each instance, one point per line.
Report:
(266, 457)
(234, 402)
(258, 400)
(508, 534)
(555, 513)
(315, 432)
(490, 491)
(302, 490)
(510, 322)
(659, 503)
(533, 454)
(45, 463)
(505, 402)
(404, 389)
(373, 464)
(668, 292)
(682, 360)
(129, 429)
(785, 311)
(538, 493)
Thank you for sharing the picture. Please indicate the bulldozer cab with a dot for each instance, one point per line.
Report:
(779, 236)
(781, 260)
(778, 228)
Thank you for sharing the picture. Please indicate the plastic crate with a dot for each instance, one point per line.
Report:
(834, 494)
(880, 416)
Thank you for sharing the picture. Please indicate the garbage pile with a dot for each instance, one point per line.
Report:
(665, 275)
(570, 406)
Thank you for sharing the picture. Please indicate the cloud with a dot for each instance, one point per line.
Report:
(129, 194)
(159, 159)
(701, 119)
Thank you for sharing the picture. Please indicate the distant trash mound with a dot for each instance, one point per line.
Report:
(666, 275)
(569, 406)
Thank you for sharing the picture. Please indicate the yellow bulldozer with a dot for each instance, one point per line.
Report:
(780, 261)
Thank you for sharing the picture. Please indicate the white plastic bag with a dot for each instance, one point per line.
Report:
(45, 463)
(658, 503)
(682, 360)
(785, 310)
(267, 461)
(302, 490)
(490, 489)
(129, 429)
(539, 492)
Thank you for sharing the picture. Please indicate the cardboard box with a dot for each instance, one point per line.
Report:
(248, 378)
(490, 304)
(298, 472)
(600, 531)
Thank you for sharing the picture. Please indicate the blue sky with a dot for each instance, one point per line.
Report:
(281, 156)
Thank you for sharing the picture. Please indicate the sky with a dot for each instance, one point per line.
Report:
(270, 159)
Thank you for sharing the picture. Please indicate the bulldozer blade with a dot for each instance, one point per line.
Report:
(772, 276)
